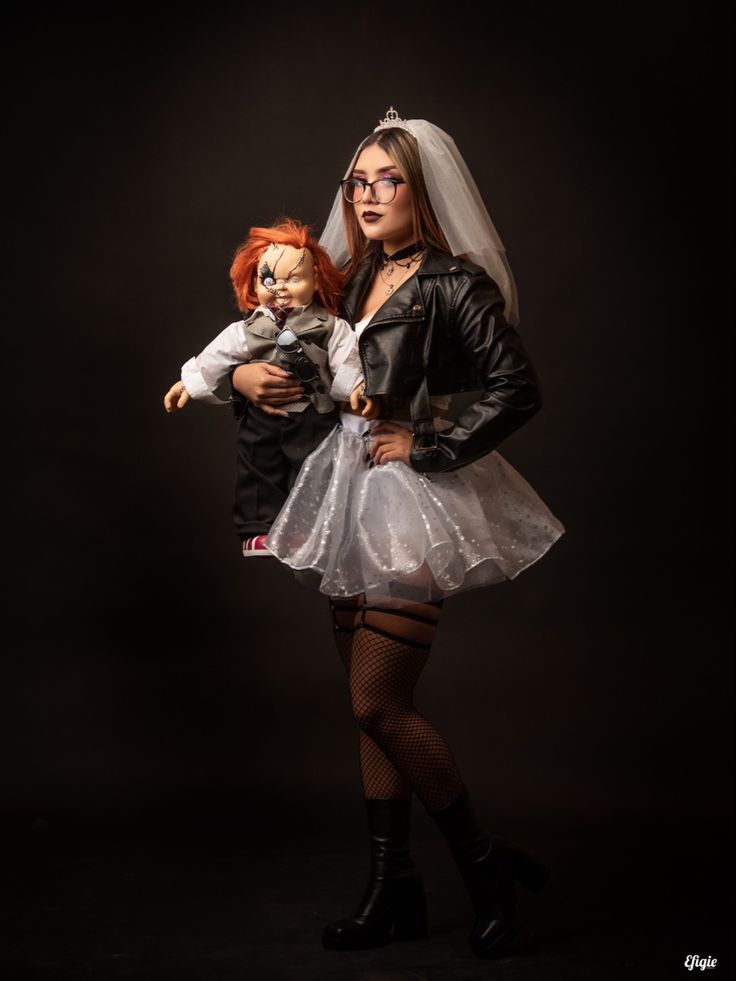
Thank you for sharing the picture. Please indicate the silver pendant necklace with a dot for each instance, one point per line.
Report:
(392, 286)
(389, 264)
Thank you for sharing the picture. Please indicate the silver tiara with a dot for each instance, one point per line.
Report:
(392, 118)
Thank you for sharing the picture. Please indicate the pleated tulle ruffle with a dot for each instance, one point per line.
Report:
(392, 532)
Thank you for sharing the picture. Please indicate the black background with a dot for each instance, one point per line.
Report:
(147, 666)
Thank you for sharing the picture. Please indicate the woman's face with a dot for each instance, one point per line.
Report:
(390, 222)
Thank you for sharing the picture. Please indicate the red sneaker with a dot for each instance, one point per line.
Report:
(255, 546)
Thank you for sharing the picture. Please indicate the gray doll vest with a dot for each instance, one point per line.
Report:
(313, 326)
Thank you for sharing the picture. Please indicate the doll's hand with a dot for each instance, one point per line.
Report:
(176, 397)
(355, 396)
(372, 405)
(267, 386)
(390, 441)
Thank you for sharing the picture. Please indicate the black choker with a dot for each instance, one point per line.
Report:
(402, 253)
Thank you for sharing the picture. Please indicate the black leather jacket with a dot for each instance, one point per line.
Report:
(443, 331)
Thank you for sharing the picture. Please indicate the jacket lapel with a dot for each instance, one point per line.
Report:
(406, 303)
(353, 295)
(260, 323)
(311, 318)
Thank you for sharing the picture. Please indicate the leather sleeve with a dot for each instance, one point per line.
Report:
(512, 393)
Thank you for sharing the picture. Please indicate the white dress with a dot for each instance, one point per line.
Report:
(398, 535)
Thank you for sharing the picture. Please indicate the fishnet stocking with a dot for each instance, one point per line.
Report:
(379, 776)
(388, 651)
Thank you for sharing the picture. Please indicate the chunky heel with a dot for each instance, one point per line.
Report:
(530, 872)
(489, 865)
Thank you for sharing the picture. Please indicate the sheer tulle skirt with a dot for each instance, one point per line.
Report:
(391, 532)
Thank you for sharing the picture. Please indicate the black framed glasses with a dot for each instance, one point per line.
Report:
(289, 346)
(383, 189)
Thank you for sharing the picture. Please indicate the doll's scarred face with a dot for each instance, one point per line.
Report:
(285, 276)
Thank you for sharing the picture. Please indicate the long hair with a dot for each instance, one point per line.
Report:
(328, 278)
(402, 147)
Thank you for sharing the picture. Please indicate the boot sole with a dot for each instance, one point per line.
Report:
(397, 932)
(410, 926)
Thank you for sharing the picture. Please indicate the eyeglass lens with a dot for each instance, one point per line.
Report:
(286, 338)
(305, 370)
(384, 191)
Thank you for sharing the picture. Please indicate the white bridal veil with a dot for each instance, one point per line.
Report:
(456, 201)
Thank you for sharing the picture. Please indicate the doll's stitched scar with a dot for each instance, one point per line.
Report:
(266, 273)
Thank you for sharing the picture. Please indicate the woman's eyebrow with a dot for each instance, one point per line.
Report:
(380, 170)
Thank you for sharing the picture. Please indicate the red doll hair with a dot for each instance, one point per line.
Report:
(328, 279)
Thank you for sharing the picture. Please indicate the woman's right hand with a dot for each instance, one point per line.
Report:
(267, 385)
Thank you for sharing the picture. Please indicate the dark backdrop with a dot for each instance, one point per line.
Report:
(147, 666)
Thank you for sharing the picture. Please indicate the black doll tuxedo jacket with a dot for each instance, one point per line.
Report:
(444, 331)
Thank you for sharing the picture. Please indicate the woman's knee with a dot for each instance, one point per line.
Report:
(369, 713)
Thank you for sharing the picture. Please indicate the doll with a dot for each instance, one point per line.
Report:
(287, 289)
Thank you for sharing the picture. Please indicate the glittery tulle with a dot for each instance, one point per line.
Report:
(392, 532)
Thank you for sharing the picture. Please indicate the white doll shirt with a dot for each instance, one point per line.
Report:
(208, 372)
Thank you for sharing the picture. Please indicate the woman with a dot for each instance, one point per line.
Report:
(398, 513)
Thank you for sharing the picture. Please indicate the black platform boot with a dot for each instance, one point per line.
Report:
(393, 906)
(488, 865)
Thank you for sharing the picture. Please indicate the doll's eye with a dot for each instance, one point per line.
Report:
(295, 279)
(267, 275)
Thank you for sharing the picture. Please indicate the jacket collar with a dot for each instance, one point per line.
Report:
(302, 319)
(406, 303)
(437, 263)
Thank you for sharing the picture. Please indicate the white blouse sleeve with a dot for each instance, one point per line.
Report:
(207, 374)
(344, 360)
